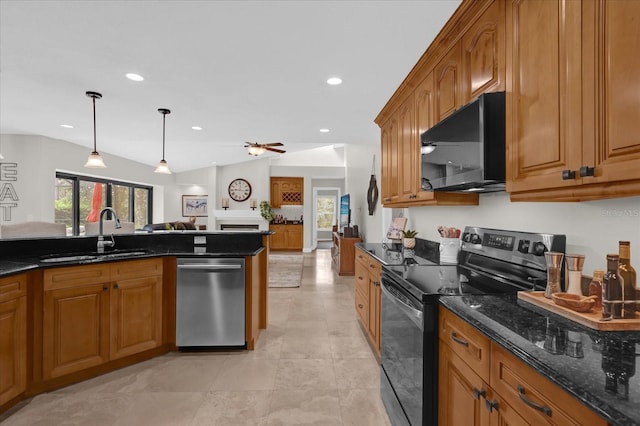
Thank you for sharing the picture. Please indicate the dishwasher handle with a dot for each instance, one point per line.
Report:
(210, 267)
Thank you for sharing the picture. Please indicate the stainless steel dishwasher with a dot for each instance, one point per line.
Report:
(210, 296)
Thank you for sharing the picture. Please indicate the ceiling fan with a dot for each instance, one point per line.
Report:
(260, 148)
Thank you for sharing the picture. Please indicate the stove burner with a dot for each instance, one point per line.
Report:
(409, 261)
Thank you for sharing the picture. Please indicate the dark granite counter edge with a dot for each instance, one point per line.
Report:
(490, 328)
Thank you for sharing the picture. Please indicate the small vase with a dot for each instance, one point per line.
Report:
(409, 242)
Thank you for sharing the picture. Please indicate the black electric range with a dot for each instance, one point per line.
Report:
(490, 261)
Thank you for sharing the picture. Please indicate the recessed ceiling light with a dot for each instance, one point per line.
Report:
(67, 126)
(134, 77)
(334, 81)
(196, 127)
(324, 130)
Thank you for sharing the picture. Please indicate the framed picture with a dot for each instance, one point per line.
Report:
(194, 205)
(396, 228)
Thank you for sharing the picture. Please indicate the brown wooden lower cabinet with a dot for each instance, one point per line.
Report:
(90, 316)
(13, 337)
(511, 394)
(343, 253)
(286, 237)
(367, 296)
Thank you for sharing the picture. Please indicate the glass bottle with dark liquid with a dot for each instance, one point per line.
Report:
(628, 275)
(612, 289)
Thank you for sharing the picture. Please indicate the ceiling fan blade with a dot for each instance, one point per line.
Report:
(280, 151)
(273, 144)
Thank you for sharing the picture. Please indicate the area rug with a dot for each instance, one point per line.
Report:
(285, 270)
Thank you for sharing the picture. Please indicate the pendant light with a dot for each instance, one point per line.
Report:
(95, 160)
(163, 167)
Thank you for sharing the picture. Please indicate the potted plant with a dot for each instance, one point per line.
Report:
(409, 238)
(265, 211)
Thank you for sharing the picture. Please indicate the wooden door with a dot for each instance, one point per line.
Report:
(374, 311)
(612, 90)
(136, 315)
(75, 329)
(409, 150)
(543, 126)
(461, 393)
(390, 161)
(448, 83)
(424, 97)
(483, 53)
(275, 193)
(13, 348)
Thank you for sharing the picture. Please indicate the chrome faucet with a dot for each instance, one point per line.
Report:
(101, 242)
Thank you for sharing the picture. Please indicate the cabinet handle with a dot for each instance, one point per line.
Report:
(360, 278)
(360, 305)
(479, 393)
(491, 405)
(568, 174)
(546, 410)
(456, 339)
(105, 288)
(587, 171)
(115, 286)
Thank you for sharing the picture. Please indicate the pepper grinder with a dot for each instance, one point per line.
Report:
(554, 269)
(574, 264)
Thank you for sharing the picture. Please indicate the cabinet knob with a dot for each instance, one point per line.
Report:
(568, 174)
(115, 286)
(587, 171)
(491, 405)
(105, 288)
(360, 305)
(479, 393)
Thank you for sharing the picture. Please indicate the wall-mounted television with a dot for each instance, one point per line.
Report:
(345, 212)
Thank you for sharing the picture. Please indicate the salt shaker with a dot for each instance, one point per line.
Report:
(554, 268)
(574, 264)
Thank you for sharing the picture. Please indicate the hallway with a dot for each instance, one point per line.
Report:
(311, 366)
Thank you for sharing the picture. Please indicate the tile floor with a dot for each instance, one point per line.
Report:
(312, 366)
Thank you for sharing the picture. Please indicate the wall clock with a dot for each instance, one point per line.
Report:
(239, 190)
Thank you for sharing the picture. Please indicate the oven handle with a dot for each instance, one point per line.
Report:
(410, 310)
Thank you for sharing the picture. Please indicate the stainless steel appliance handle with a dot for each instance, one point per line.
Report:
(406, 308)
(210, 267)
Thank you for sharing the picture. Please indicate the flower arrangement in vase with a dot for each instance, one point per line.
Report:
(409, 238)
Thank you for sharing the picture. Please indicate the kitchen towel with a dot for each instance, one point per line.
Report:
(285, 270)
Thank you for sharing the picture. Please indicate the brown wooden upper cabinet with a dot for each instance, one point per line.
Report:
(287, 191)
(465, 60)
(572, 121)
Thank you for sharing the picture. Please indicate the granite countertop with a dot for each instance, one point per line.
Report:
(19, 256)
(393, 254)
(597, 368)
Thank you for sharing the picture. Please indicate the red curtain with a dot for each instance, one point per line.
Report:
(96, 203)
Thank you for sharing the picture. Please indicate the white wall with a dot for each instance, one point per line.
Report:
(593, 228)
(38, 159)
(360, 159)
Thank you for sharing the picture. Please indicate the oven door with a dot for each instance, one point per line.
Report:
(402, 341)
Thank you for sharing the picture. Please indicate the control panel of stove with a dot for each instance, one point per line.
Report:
(512, 246)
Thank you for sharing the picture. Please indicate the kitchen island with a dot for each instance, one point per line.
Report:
(70, 313)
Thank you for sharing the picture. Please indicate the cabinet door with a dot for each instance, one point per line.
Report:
(409, 151)
(275, 194)
(460, 392)
(75, 329)
(424, 96)
(294, 237)
(13, 348)
(374, 311)
(278, 240)
(612, 103)
(136, 316)
(543, 129)
(390, 163)
(483, 54)
(448, 83)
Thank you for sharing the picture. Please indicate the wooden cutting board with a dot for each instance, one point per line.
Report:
(592, 319)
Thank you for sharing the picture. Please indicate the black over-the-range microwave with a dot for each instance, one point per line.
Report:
(466, 150)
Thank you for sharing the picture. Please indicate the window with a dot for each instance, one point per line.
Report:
(79, 199)
(326, 212)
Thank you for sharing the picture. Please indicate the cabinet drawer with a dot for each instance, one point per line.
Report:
(362, 307)
(136, 269)
(71, 276)
(13, 287)
(469, 344)
(534, 397)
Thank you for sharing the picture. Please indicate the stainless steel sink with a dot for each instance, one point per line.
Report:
(60, 259)
(93, 256)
